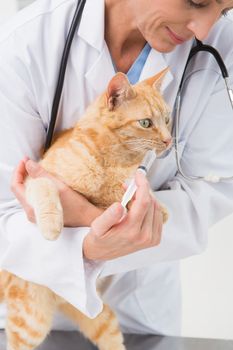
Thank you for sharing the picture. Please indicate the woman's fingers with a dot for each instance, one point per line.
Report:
(146, 230)
(18, 178)
(142, 199)
(110, 217)
(35, 170)
(18, 188)
(145, 216)
(157, 224)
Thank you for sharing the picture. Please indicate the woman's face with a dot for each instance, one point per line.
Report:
(167, 23)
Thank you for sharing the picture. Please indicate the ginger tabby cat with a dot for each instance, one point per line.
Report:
(94, 158)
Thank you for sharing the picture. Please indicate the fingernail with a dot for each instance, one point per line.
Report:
(31, 165)
(118, 210)
(141, 171)
(25, 159)
(140, 177)
(115, 208)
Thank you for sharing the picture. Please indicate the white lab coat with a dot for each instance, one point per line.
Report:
(147, 298)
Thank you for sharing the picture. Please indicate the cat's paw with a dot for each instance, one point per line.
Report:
(44, 198)
(50, 223)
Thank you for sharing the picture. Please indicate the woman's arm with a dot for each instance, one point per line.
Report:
(58, 265)
(77, 210)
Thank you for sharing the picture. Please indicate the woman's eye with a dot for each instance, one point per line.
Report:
(146, 123)
(197, 5)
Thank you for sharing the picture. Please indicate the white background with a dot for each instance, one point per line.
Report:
(207, 279)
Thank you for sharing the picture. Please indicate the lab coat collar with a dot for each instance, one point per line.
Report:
(91, 27)
(154, 64)
(180, 54)
(93, 14)
(102, 70)
(100, 73)
(157, 61)
(170, 86)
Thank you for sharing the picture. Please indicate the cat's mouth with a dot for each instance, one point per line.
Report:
(163, 146)
(164, 153)
(164, 150)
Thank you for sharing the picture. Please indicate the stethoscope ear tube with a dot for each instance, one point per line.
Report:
(203, 47)
(200, 47)
(56, 101)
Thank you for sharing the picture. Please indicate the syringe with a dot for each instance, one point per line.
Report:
(145, 166)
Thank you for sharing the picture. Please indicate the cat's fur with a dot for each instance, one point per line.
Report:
(94, 158)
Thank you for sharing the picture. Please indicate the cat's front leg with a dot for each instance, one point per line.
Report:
(42, 194)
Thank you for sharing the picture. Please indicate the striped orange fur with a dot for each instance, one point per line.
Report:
(94, 158)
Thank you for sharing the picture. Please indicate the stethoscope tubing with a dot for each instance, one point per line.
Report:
(61, 76)
(199, 47)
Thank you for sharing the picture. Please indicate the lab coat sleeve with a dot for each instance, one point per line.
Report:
(194, 206)
(59, 265)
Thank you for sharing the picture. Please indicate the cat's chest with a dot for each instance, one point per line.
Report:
(110, 187)
(101, 185)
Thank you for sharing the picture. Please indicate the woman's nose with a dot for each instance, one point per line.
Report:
(202, 25)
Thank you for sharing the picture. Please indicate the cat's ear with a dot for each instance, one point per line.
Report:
(118, 91)
(156, 80)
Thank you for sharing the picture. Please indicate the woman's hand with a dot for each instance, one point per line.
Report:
(78, 211)
(112, 236)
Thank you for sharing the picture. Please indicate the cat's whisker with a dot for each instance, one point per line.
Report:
(115, 145)
(136, 141)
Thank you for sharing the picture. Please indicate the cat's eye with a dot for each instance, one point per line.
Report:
(146, 123)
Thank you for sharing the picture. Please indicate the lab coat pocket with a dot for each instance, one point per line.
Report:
(164, 168)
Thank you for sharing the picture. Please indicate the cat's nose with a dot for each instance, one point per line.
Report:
(167, 141)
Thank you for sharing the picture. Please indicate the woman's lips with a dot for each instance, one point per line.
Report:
(176, 38)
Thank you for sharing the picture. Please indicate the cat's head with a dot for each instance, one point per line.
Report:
(136, 115)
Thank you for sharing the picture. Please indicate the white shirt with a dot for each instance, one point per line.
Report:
(147, 298)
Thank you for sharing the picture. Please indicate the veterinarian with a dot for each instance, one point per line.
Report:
(139, 257)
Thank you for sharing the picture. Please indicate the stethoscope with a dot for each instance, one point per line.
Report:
(199, 47)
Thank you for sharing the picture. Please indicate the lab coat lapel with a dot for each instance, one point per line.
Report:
(102, 69)
(154, 64)
(91, 28)
(158, 61)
